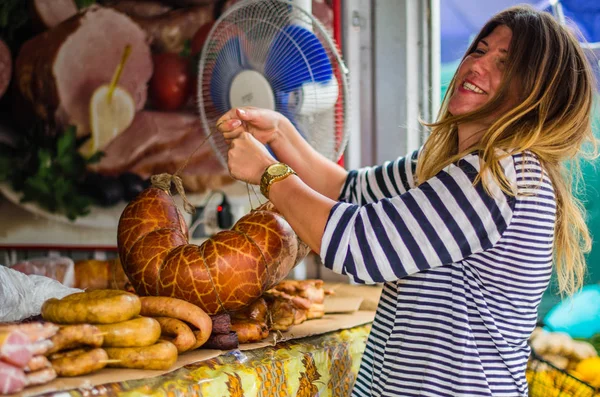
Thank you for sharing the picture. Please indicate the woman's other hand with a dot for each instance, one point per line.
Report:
(265, 125)
(248, 158)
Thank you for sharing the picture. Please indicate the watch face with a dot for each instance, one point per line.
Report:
(277, 169)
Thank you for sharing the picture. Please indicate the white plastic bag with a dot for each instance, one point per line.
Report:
(22, 296)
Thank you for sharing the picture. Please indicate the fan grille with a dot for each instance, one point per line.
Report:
(298, 58)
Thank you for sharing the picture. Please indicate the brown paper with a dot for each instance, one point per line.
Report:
(342, 304)
(329, 323)
(369, 293)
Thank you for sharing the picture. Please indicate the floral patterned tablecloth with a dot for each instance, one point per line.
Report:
(322, 365)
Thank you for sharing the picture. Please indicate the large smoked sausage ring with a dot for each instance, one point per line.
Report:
(227, 272)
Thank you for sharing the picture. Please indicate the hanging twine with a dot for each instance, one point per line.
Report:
(164, 181)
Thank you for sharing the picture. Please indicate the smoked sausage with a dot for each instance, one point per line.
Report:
(141, 331)
(80, 364)
(156, 306)
(160, 356)
(184, 339)
(227, 272)
(93, 307)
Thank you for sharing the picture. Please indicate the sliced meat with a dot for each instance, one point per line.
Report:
(58, 70)
(41, 347)
(12, 379)
(49, 13)
(203, 160)
(5, 67)
(186, 3)
(140, 8)
(15, 348)
(36, 331)
(158, 142)
(36, 363)
(203, 170)
(169, 31)
(150, 133)
(41, 376)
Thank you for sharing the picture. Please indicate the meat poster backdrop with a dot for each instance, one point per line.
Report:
(98, 95)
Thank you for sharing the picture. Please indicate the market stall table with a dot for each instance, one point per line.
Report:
(319, 356)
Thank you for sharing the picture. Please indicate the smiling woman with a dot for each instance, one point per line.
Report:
(464, 233)
(479, 78)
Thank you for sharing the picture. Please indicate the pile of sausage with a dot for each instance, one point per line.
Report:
(85, 332)
(22, 359)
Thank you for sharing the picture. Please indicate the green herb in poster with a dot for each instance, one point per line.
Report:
(48, 170)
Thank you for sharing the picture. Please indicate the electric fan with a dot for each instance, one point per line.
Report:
(273, 54)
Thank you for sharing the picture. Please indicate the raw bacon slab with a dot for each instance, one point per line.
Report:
(15, 348)
(12, 379)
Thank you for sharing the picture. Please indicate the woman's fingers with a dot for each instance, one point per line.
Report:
(230, 129)
(228, 125)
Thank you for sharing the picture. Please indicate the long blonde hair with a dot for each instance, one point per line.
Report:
(553, 121)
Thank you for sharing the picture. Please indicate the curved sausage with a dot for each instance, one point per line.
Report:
(80, 364)
(184, 338)
(160, 356)
(160, 306)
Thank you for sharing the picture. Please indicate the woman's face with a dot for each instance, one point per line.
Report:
(480, 74)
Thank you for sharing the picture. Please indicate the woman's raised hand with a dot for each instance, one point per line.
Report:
(247, 158)
(265, 125)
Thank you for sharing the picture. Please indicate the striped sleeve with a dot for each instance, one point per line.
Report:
(371, 184)
(442, 221)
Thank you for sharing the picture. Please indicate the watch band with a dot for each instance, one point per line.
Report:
(274, 173)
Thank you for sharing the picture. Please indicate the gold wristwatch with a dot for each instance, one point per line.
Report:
(273, 173)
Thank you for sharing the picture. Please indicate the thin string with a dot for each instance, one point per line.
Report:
(249, 198)
(247, 184)
(185, 163)
(165, 180)
(256, 196)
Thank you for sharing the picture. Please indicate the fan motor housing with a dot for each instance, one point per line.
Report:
(250, 88)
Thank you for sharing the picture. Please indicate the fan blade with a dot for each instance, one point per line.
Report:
(296, 57)
(230, 61)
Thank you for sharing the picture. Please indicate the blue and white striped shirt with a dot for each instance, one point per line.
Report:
(464, 273)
